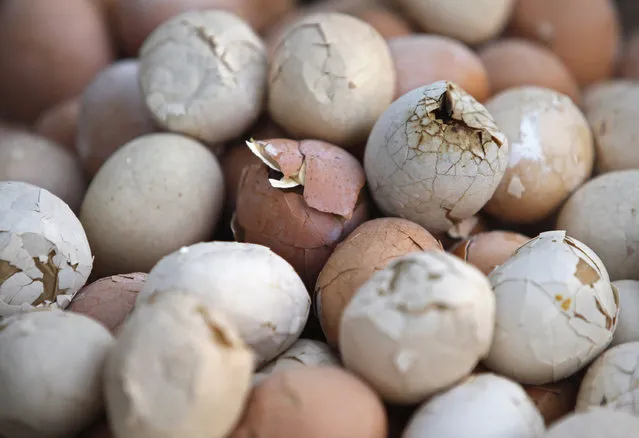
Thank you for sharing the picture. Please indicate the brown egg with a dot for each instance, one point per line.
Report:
(112, 113)
(463, 230)
(312, 402)
(629, 63)
(512, 62)
(422, 59)
(583, 33)
(50, 51)
(302, 217)
(554, 400)
(109, 300)
(235, 161)
(388, 23)
(60, 123)
(487, 250)
(136, 19)
(367, 249)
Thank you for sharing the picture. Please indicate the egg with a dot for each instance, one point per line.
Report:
(551, 153)
(489, 249)
(60, 123)
(421, 59)
(628, 325)
(556, 310)
(435, 157)
(366, 250)
(312, 402)
(515, 62)
(595, 423)
(603, 215)
(388, 23)
(585, 34)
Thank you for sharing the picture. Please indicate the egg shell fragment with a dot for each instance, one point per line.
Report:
(556, 310)
(44, 253)
(418, 326)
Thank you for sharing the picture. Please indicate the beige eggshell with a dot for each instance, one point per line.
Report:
(611, 381)
(112, 113)
(418, 326)
(628, 325)
(421, 59)
(469, 21)
(514, 62)
(50, 51)
(612, 113)
(556, 310)
(435, 157)
(603, 215)
(109, 300)
(60, 123)
(135, 20)
(152, 196)
(585, 34)
(599, 422)
(203, 74)
(34, 159)
(320, 81)
(388, 23)
(367, 249)
(551, 152)
(555, 400)
(312, 402)
(179, 369)
(487, 250)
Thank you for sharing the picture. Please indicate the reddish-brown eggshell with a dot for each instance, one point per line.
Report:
(109, 300)
(60, 123)
(487, 250)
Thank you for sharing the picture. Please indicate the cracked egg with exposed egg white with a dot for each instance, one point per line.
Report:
(435, 157)
(556, 310)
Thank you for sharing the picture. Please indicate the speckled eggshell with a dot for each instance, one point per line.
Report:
(603, 215)
(367, 249)
(628, 325)
(487, 250)
(599, 422)
(109, 300)
(44, 253)
(551, 152)
(321, 81)
(435, 157)
(556, 310)
(203, 74)
(154, 195)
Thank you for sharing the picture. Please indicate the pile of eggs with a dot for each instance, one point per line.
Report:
(327, 219)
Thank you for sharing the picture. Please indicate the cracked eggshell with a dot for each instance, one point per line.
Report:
(596, 423)
(303, 215)
(331, 76)
(304, 352)
(154, 195)
(554, 400)
(611, 381)
(487, 250)
(484, 405)
(258, 289)
(114, 100)
(603, 215)
(179, 369)
(60, 123)
(44, 253)
(551, 153)
(435, 157)
(31, 158)
(366, 250)
(198, 62)
(470, 21)
(556, 310)
(312, 402)
(421, 59)
(612, 113)
(109, 300)
(418, 326)
(51, 373)
(628, 324)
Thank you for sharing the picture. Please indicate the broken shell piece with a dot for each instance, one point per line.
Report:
(556, 310)
(179, 369)
(435, 157)
(611, 380)
(418, 326)
(44, 253)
